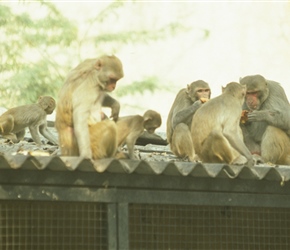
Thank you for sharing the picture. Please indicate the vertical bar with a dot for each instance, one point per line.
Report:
(112, 226)
(123, 226)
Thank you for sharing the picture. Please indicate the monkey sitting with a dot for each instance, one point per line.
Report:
(14, 121)
(129, 128)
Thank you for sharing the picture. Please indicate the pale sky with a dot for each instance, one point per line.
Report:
(245, 37)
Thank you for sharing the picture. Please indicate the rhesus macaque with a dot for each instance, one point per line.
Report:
(267, 128)
(14, 121)
(215, 128)
(103, 138)
(129, 128)
(186, 102)
(81, 99)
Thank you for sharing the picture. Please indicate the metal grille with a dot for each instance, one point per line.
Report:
(203, 227)
(52, 225)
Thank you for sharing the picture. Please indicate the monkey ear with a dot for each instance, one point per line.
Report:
(98, 65)
(147, 118)
(187, 88)
(223, 89)
(240, 79)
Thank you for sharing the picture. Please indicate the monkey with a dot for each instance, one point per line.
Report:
(215, 128)
(267, 128)
(14, 121)
(103, 138)
(129, 128)
(81, 98)
(178, 125)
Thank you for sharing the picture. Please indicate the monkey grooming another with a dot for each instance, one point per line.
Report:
(186, 102)
(215, 129)
(129, 128)
(15, 120)
(80, 101)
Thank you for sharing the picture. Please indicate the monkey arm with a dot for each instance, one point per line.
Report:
(276, 118)
(112, 103)
(130, 142)
(34, 134)
(47, 134)
(185, 114)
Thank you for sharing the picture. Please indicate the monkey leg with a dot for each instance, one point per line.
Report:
(103, 136)
(20, 135)
(181, 144)
(275, 146)
(67, 142)
(217, 149)
(11, 137)
(6, 124)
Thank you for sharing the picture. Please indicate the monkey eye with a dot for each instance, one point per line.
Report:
(252, 92)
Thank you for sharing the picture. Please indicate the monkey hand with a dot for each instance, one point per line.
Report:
(197, 104)
(251, 162)
(115, 110)
(261, 115)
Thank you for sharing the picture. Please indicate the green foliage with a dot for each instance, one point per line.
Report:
(140, 35)
(28, 48)
(148, 84)
(39, 46)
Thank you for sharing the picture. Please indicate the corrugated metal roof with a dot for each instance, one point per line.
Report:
(59, 163)
(155, 160)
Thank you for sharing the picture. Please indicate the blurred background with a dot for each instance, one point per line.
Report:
(164, 45)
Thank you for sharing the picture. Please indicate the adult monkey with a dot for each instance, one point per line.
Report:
(215, 129)
(267, 129)
(80, 101)
(186, 102)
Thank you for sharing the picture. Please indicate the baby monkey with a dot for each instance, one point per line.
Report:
(129, 128)
(106, 136)
(14, 121)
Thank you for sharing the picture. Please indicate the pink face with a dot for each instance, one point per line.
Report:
(111, 85)
(252, 100)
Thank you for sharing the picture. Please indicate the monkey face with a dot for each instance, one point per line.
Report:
(111, 85)
(151, 130)
(202, 93)
(257, 91)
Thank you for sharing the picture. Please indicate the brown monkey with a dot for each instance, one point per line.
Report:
(131, 127)
(15, 120)
(215, 130)
(186, 102)
(81, 98)
(103, 138)
(267, 129)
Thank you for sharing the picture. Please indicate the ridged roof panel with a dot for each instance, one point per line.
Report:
(110, 165)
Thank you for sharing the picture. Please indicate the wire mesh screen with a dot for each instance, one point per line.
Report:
(203, 227)
(52, 225)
